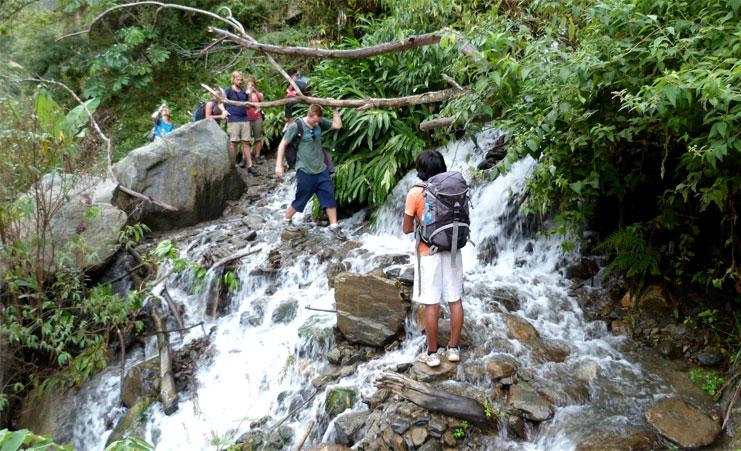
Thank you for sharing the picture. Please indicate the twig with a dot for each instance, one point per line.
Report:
(436, 123)
(122, 347)
(450, 80)
(730, 406)
(306, 435)
(295, 409)
(176, 330)
(127, 273)
(174, 309)
(321, 310)
(236, 256)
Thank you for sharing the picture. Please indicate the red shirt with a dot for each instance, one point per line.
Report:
(252, 112)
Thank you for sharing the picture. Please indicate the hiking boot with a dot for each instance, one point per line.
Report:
(338, 233)
(453, 354)
(240, 164)
(431, 360)
(252, 170)
(259, 159)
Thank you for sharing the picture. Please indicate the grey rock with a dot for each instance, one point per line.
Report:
(142, 380)
(710, 356)
(369, 308)
(683, 423)
(315, 336)
(348, 427)
(334, 356)
(339, 399)
(524, 398)
(285, 312)
(188, 169)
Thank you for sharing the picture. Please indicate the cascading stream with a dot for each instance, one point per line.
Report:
(262, 367)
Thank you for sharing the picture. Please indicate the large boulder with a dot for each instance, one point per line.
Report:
(525, 399)
(83, 228)
(52, 413)
(370, 309)
(683, 423)
(188, 169)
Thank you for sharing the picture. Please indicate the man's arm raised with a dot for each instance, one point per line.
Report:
(336, 119)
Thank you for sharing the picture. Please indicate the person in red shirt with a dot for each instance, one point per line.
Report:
(254, 118)
(439, 279)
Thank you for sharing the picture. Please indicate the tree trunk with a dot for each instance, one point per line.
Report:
(168, 394)
(436, 400)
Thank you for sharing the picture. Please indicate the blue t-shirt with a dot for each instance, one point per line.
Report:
(162, 128)
(236, 113)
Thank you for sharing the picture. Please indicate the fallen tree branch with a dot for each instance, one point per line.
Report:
(436, 123)
(168, 393)
(236, 256)
(392, 102)
(436, 400)
(450, 80)
(177, 330)
(306, 435)
(174, 308)
(109, 150)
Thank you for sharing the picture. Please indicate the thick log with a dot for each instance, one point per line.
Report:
(436, 400)
(235, 256)
(436, 123)
(393, 102)
(168, 393)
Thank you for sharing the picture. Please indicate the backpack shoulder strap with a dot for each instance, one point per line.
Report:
(299, 130)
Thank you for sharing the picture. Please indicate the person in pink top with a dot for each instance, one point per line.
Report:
(254, 118)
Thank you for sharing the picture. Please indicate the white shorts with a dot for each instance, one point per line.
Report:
(440, 280)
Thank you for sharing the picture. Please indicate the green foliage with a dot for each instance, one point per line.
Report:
(27, 440)
(130, 444)
(634, 256)
(709, 380)
(231, 282)
(460, 431)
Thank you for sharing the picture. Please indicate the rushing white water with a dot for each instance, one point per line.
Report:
(255, 366)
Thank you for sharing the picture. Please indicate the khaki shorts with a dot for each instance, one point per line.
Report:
(256, 129)
(238, 131)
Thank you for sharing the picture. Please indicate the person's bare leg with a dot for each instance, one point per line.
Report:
(289, 213)
(258, 148)
(432, 314)
(233, 152)
(332, 215)
(456, 323)
(246, 153)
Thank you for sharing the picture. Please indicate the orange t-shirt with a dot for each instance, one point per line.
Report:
(415, 207)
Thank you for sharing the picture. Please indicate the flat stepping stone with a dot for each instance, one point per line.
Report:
(683, 423)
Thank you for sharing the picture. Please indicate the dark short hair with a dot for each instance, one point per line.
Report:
(430, 163)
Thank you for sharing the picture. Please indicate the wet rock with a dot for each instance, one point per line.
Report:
(326, 378)
(399, 424)
(329, 447)
(52, 414)
(500, 367)
(132, 424)
(550, 351)
(497, 152)
(524, 398)
(404, 274)
(349, 426)
(334, 356)
(655, 304)
(519, 427)
(487, 250)
(683, 423)
(583, 269)
(423, 373)
(418, 435)
(254, 317)
(84, 226)
(369, 308)
(710, 356)
(635, 440)
(520, 329)
(206, 180)
(669, 349)
(448, 439)
(142, 380)
(280, 438)
(620, 327)
(251, 441)
(437, 426)
(339, 399)
(285, 312)
(587, 371)
(431, 445)
(377, 398)
(315, 335)
(394, 441)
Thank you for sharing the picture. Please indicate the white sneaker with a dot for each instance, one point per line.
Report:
(432, 360)
(453, 354)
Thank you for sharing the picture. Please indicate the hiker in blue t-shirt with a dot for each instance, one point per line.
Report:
(162, 123)
(237, 124)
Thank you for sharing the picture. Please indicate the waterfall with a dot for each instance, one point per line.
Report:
(264, 369)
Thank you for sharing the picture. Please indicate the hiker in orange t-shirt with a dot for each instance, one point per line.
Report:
(440, 279)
